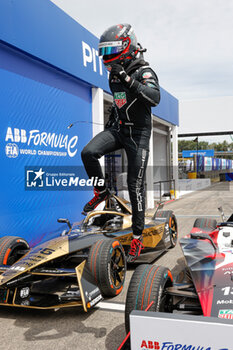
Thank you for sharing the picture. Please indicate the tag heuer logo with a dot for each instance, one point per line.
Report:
(120, 99)
(226, 314)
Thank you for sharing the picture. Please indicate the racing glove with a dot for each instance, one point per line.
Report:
(119, 72)
(112, 118)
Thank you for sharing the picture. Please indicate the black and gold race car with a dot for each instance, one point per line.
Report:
(86, 262)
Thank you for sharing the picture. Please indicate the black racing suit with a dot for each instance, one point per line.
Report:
(129, 127)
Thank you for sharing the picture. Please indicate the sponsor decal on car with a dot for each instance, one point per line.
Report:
(230, 251)
(227, 290)
(228, 272)
(120, 99)
(94, 301)
(17, 268)
(24, 292)
(91, 294)
(227, 268)
(224, 302)
(226, 314)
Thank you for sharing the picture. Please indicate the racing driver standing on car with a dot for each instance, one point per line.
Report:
(135, 90)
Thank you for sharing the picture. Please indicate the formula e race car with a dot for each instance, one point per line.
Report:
(85, 262)
(203, 285)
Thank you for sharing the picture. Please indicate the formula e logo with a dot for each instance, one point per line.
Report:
(120, 99)
(35, 178)
(12, 150)
(58, 145)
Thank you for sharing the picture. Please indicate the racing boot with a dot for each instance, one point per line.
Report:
(99, 197)
(135, 249)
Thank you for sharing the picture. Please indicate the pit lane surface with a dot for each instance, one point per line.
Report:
(103, 327)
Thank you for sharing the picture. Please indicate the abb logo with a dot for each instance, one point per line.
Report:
(150, 345)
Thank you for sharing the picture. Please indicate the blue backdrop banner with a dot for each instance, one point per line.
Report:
(36, 106)
(200, 152)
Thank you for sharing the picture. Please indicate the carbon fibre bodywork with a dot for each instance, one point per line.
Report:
(211, 269)
(55, 274)
(209, 257)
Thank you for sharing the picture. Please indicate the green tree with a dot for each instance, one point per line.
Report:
(203, 145)
(186, 145)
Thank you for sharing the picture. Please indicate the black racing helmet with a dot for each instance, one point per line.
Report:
(118, 44)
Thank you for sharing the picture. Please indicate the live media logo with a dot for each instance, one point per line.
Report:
(62, 178)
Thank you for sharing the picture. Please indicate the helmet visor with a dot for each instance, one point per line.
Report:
(110, 48)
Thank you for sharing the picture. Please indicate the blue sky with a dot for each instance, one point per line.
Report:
(189, 42)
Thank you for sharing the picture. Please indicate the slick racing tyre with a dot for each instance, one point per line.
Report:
(107, 263)
(11, 249)
(148, 284)
(172, 224)
(206, 224)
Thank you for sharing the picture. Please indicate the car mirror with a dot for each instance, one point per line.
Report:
(64, 221)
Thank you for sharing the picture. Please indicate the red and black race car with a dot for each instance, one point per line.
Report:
(204, 283)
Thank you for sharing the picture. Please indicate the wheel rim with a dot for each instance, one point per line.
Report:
(117, 268)
(173, 230)
(13, 257)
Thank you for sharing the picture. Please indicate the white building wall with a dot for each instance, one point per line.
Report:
(175, 159)
(98, 114)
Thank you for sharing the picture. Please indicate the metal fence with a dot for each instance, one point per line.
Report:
(170, 188)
